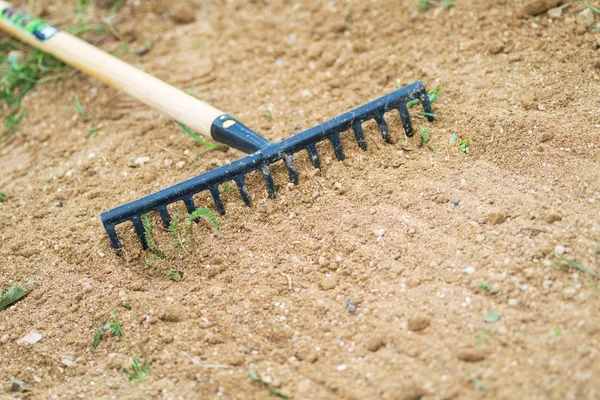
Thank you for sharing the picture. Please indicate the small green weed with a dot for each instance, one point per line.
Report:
(20, 72)
(348, 16)
(188, 131)
(175, 275)
(464, 146)
(492, 317)
(15, 293)
(127, 305)
(480, 385)
(594, 9)
(2, 197)
(425, 5)
(181, 233)
(424, 136)
(272, 391)
(486, 287)
(573, 264)
(78, 109)
(557, 331)
(139, 370)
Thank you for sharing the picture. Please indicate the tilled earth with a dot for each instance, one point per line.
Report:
(413, 270)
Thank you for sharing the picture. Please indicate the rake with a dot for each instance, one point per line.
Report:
(207, 120)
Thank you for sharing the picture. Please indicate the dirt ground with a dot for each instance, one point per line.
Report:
(431, 247)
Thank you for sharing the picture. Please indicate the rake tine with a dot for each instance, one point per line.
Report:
(112, 236)
(139, 230)
(291, 166)
(266, 171)
(337, 146)
(189, 204)
(359, 134)
(383, 128)
(405, 117)
(241, 184)
(424, 97)
(164, 215)
(216, 195)
(314, 155)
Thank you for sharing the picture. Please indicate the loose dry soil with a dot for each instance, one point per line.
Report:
(271, 288)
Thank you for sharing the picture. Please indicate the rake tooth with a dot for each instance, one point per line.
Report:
(112, 236)
(405, 117)
(337, 146)
(383, 128)
(314, 155)
(189, 205)
(241, 184)
(291, 166)
(216, 195)
(266, 171)
(164, 215)
(359, 134)
(139, 230)
(424, 97)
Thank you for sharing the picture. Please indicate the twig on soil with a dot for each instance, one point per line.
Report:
(289, 280)
(160, 146)
(533, 230)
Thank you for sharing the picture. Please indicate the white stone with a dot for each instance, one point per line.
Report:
(587, 17)
(342, 367)
(555, 12)
(560, 250)
(469, 270)
(513, 302)
(31, 338)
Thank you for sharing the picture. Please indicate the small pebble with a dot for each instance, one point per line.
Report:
(19, 386)
(555, 12)
(329, 282)
(418, 323)
(379, 232)
(31, 338)
(375, 343)
(560, 250)
(350, 306)
(141, 160)
(68, 363)
(469, 270)
(513, 302)
(496, 218)
(553, 217)
(182, 13)
(456, 202)
(474, 354)
(342, 367)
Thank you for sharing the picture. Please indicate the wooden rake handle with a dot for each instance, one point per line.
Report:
(157, 94)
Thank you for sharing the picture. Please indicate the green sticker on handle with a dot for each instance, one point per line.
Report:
(33, 26)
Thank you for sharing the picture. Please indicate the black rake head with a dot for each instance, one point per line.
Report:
(227, 130)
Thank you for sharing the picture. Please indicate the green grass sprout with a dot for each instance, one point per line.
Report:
(433, 96)
(486, 287)
(594, 9)
(492, 317)
(464, 146)
(198, 139)
(174, 275)
(578, 266)
(15, 293)
(139, 370)
(480, 385)
(272, 391)
(2, 197)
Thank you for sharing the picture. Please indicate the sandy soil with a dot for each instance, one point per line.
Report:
(271, 288)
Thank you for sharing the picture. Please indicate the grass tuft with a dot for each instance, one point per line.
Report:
(2, 197)
(15, 293)
(272, 391)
